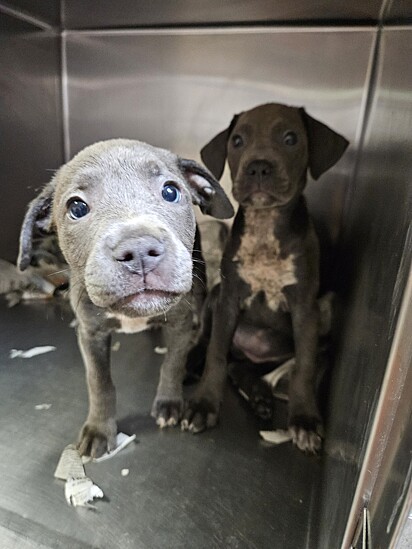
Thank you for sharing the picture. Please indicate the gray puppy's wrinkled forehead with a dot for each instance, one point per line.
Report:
(120, 157)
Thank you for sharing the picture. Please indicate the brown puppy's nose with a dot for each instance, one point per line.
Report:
(260, 169)
(140, 255)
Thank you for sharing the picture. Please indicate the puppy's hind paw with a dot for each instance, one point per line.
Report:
(167, 411)
(97, 438)
(307, 433)
(200, 415)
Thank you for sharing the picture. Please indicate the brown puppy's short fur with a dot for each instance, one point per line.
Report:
(270, 267)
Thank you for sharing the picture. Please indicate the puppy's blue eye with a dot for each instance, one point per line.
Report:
(77, 208)
(171, 193)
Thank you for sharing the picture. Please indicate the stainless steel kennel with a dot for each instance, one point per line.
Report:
(172, 73)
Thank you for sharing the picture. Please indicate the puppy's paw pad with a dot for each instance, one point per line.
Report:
(307, 433)
(167, 412)
(200, 415)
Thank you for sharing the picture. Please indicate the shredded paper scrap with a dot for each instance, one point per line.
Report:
(79, 490)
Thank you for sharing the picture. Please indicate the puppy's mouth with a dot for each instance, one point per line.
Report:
(258, 199)
(262, 195)
(146, 302)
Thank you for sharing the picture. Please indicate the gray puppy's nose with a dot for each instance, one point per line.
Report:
(140, 255)
(260, 169)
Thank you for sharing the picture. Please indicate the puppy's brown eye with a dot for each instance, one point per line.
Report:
(237, 140)
(290, 138)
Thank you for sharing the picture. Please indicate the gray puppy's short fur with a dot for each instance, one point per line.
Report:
(270, 267)
(131, 260)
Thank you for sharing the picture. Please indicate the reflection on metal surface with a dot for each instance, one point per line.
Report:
(398, 11)
(374, 265)
(44, 12)
(130, 13)
(24, 17)
(29, 120)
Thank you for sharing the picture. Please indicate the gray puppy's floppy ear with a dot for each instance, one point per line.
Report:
(325, 145)
(205, 190)
(38, 216)
(214, 153)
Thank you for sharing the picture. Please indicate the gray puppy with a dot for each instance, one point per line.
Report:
(270, 267)
(123, 214)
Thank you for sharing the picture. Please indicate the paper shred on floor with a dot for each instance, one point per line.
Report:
(274, 377)
(276, 437)
(70, 464)
(160, 350)
(30, 353)
(79, 492)
(122, 441)
(42, 406)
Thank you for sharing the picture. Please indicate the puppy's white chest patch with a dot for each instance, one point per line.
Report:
(260, 263)
(130, 325)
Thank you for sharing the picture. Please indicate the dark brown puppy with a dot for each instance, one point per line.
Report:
(270, 267)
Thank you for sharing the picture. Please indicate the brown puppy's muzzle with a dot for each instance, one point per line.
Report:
(261, 183)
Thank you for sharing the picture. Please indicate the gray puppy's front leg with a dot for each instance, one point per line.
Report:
(98, 434)
(168, 404)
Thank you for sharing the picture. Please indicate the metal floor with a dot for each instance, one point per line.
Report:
(222, 489)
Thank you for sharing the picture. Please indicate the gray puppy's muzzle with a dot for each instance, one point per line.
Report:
(140, 255)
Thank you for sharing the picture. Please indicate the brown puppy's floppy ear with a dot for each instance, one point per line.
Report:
(213, 154)
(325, 146)
(38, 216)
(206, 190)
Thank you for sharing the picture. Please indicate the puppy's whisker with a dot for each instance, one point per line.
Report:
(200, 261)
(58, 272)
(200, 279)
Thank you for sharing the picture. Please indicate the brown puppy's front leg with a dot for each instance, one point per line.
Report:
(203, 408)
(98, 434)
(168, 404)
(305, 423)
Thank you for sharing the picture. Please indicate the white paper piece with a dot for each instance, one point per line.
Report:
(124, 472)
(79, 492)
(14, 353)
(122, 441)
(42, 406)
(243, 394)
(116, 346)
(70, 464)
(274, 377)
(276, 437)
(160, 350)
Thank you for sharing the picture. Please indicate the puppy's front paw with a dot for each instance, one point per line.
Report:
(306, 432)
(201, 413)
(167, 411)
(96, 438)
